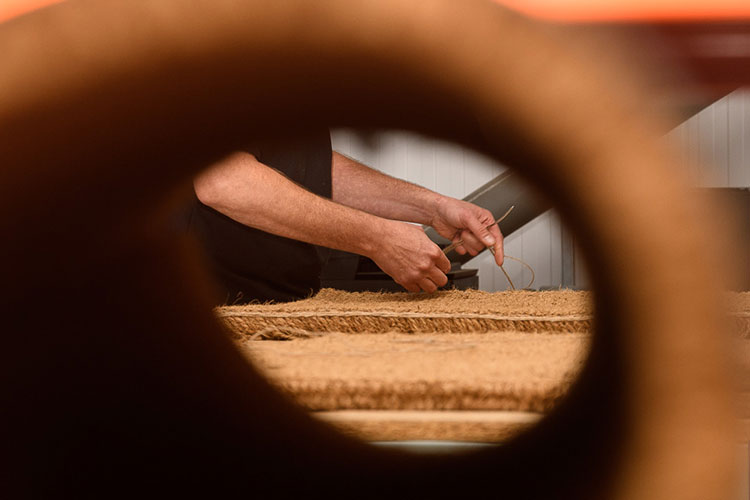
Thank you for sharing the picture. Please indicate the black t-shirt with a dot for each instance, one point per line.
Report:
(252, 265)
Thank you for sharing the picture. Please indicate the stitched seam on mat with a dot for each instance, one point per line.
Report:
(347, 314)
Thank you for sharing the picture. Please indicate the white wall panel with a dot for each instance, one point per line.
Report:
(364, 148)
(720, 141)
(514, 245)
(716, 142)
(738, 142)
(341, 141)
(709, 172)
(392, 154)
(692, 146)
(536, 249)
(555, 251)
(740, 174)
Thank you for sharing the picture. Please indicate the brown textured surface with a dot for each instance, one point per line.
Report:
(743, 355)
(425, 374)
(450, 311)
(473, 371)
(477, 426)
(739, 307)
(454, 311)
(518, 303)
(460, 365)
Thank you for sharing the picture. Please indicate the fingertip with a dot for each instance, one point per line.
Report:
(445, 265)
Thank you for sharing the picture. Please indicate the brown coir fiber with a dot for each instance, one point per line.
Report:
(455, 311)
(454, 350)
(386, 425)
(509, 371)
(452, 311)
(739, 308)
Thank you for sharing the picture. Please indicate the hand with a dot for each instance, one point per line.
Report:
(458, 220)
(408, 256)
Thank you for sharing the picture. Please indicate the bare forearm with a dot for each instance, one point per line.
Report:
(255, 195)
(358, 186)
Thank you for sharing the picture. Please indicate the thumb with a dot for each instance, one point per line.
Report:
(480, 231)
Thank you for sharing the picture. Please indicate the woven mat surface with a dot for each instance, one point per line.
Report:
(450, 311)
(454, 311)
(518, 303)
(404, 425)
(457, 350)
(477, 371)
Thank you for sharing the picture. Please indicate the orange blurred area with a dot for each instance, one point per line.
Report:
(707, 40)
(558, 10)
(13, 8)
(632, 10)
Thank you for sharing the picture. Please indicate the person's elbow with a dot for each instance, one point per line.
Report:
(209, 188)
(224, 183)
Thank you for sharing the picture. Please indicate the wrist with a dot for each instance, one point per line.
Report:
(373, 237)
(438, 209)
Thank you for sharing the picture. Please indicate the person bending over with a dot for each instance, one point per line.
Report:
(267, 216)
